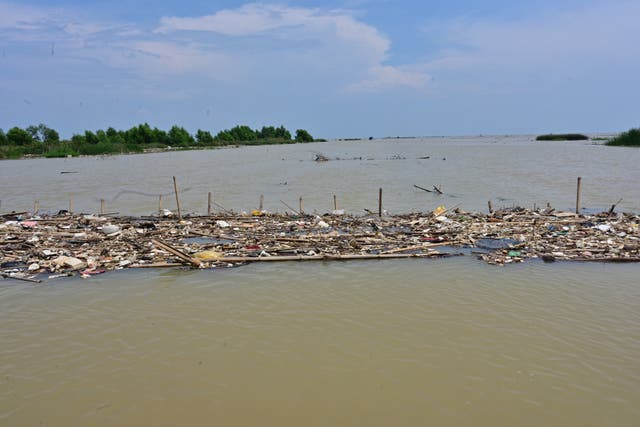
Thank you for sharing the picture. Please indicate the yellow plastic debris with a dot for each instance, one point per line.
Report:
(208, 255)
(439, 210)
(256, 212)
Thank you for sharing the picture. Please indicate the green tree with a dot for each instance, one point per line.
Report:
(243, 133)
(178, 136)
(50, 136)
(77, 141)
(283, 133)
(90, 137)
(112, 133)
(267, 132)
(3, 138)
(224, 137)
(204, 138)
(43, 133)
(140, 135)
(17, 136)
(303, 136)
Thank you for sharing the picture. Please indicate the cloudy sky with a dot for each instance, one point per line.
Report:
(339, 68)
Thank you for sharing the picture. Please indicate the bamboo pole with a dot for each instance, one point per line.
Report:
(380, 202)
(209, 203)
(186, 259)
(292, 209)
(70, 204)
(287, 258)
(578, 195)
(101, 206)
(327, 257)
(490, 207)
(175, 189)
(36, 206)
(335, 203)
(160, 204)
(261, 202)
(301, 210)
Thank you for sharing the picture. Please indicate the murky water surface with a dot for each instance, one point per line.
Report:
(507, 170)
(377, 343)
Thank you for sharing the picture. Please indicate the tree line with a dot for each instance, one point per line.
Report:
(41, 140)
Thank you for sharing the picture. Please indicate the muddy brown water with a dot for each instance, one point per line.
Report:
(395, 342)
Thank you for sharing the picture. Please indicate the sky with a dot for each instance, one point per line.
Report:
(338, 68)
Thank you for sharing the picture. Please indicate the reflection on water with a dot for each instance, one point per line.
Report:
(415, 342)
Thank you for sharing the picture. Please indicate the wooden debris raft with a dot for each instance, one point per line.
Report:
(34, 246)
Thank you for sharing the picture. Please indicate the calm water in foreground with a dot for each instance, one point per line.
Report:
(395, 342)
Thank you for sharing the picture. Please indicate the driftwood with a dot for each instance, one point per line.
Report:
(181, 255)
(329, 257)
(23, 279)
(613, 206)
(422, 188)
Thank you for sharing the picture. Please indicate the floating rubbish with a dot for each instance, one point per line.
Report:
(496, 243)
(68, 244)
(208, 255)
(110, 229)
(71, 262)
(439, 211)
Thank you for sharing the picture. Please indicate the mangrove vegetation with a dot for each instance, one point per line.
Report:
(43, 141)
(562, 137)
(630, 138)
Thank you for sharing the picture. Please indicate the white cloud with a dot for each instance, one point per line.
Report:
(336, 37)
(247, 20)
(332, 48)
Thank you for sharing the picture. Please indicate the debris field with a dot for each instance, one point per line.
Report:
(35, 247)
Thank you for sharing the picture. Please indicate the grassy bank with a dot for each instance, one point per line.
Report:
(630, 138)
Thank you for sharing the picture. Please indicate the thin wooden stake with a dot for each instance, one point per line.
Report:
(380, 202)
(101, 206)
(70, 204)
(36, 206)
(301, 210)
(578, 195)
(335, 203)
(175, 189)
(160, 204)
(261, 203)
(209, 203)
(292, 209)
(613, 206)
(490, 207)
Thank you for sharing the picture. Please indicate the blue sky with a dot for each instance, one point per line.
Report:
(339, 68)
